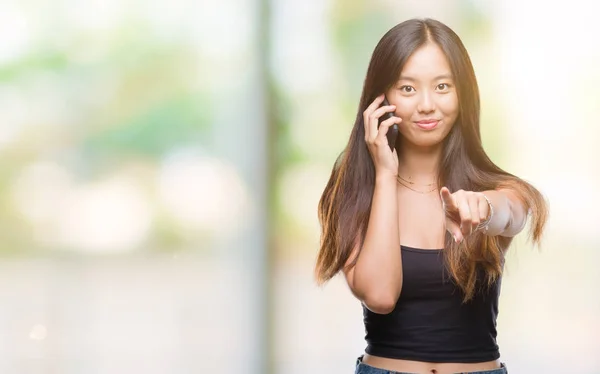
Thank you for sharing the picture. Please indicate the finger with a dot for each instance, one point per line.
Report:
(367, 115)
(385, 126)
(448, 200)
(390, 121)
(375, 104)
(381, 111)
(474, 208)
(374, 119)
(465, 217)
(454, 230)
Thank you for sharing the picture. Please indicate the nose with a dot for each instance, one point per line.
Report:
(426, 104)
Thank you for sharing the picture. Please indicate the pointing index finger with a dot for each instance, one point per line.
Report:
(448, 200)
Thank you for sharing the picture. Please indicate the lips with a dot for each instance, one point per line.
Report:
(428, 124)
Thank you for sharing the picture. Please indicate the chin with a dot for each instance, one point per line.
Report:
(426, 140)
(422, 143)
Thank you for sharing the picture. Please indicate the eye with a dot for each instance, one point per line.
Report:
(407, 89)
(443, 86)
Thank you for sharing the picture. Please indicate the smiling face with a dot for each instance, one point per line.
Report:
(425, 97)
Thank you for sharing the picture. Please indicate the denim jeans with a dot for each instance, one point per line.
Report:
(362, 368)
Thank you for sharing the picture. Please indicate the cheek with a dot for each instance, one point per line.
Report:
(404, 109)
(449, 106)
(404, 106)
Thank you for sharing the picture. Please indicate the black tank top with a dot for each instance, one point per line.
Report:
(430, 323)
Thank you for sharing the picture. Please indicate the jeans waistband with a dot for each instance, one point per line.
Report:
(362, 368)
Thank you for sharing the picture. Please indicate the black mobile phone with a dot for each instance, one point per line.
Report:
(392, 134)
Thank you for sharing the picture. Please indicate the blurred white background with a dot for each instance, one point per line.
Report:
(161, 164)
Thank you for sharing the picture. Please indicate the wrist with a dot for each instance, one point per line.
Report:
(485, 224)
(385, 178)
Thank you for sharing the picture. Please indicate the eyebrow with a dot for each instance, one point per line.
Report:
(439, 77)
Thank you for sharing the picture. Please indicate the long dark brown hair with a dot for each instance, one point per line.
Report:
(345, 205)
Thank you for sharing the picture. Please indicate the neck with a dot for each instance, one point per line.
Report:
(419, 164)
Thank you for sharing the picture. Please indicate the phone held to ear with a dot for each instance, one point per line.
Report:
(392, 133)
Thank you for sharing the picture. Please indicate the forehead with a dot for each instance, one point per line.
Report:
(428, 61)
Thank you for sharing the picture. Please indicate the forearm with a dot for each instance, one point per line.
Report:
(378, 270)
(509, 213)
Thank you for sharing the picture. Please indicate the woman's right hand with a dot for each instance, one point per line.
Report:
(385, 161)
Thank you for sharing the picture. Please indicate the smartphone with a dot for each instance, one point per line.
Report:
(392, 134)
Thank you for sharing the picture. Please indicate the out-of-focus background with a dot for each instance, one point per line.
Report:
(161, 163)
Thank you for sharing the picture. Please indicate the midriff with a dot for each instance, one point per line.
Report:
(428, 367)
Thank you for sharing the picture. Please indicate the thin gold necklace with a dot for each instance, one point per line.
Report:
(410, 188)
(407, 181)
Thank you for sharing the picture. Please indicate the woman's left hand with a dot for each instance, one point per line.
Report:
(464, 211)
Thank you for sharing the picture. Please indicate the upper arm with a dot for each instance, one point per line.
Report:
(350, 264)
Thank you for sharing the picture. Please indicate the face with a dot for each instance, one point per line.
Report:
(425, 97)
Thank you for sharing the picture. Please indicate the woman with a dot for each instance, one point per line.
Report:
(420, 231)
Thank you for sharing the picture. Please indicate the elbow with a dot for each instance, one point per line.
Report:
(379, 295)
(381, 303)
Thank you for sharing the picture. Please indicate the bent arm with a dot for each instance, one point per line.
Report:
(376, 278)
